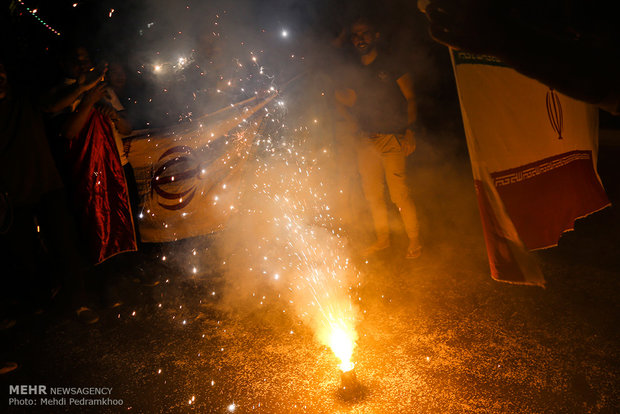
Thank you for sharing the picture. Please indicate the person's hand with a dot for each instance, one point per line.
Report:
(108, 111)
(477, 26)
(89, 80)
(345, 96)
(407, 142)
(95, 94)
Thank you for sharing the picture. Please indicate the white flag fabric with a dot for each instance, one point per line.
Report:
(533, 153)
(189, 178)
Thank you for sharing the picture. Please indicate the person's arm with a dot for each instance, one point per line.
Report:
(116, 117)
(572, 65)
(76, 121)
(345, 99)
(405, 83)
(122, 123)
(60, 98)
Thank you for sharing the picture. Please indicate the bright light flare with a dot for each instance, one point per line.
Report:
(342, 342)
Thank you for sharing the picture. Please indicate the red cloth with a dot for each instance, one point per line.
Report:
(544, 198)
(99, 190)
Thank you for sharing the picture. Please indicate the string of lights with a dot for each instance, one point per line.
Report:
(33, 13)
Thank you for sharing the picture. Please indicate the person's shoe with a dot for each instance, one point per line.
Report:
(113, 304)
(111, 297)
(146, 280)
(87, 316)
(7, 367)
(376, 247)
(7, 323)
(150, 282)
(413, 251)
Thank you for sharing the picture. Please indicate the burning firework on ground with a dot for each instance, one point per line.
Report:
(290, 237)
(283, 241)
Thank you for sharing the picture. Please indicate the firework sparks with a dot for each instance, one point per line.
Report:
(298, 251)
(308, 258)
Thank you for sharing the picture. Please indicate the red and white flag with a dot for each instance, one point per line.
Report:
(533, 153)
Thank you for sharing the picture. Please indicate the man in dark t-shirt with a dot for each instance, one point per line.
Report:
(380, 103)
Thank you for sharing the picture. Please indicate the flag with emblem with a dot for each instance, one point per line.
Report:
(189, 178)
(533, 153)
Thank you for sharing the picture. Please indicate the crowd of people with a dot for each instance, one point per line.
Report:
(68, 196)
(66, 182)
(68, 190)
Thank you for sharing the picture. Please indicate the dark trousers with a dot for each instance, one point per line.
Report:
(134, 199)
(40, 245)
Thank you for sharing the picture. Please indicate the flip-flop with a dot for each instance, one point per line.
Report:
(7, 367)
(374, 248)
(87, 316)
(414, 253)
(7, 323)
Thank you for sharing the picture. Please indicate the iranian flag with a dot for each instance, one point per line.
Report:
(533, 153)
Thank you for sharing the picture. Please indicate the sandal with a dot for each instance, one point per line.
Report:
(7, 367)
(87, 316)
(414, 252)
(375, 248)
